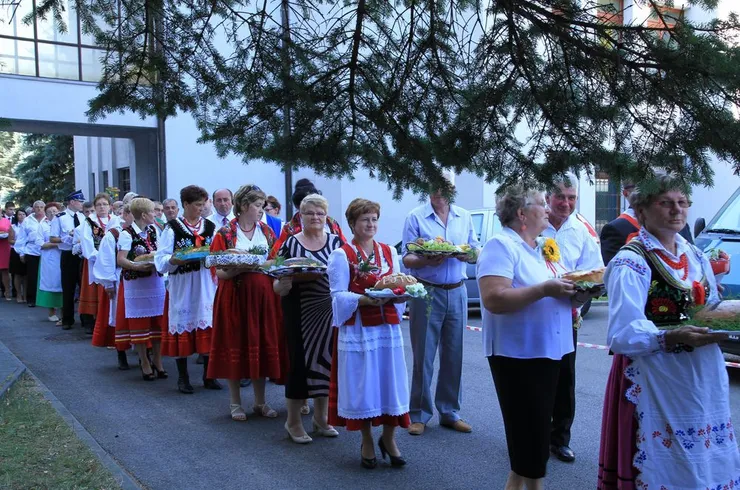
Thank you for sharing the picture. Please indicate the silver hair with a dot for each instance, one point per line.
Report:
(511, 201)
(39, 202)
(129, 197)
(569, 179)
(164, 203)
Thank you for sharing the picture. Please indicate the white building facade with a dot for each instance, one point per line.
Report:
(47, 78)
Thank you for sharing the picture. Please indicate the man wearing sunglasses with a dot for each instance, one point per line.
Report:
(616, 233)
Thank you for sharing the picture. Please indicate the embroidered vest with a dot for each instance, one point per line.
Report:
(184, 238)
(98, 232)
(139, 246)
(669, 302)
(371, 316)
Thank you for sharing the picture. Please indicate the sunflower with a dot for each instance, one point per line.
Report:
(550, 250)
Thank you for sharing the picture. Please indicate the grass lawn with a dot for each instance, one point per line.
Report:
(39, 450)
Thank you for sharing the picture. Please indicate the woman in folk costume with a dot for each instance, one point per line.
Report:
(369, 381)
(93, 231)
(141, 295)
(49, 293)
(307, 323)
(666, 420)
(191, 288)
(248, 340)
(107, 273)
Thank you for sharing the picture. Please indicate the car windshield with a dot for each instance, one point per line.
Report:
(728, 220)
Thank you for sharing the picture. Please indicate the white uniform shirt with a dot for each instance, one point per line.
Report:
(218, 219)
(541, 329)
(578, 249)
(61, 227)
(29, 241)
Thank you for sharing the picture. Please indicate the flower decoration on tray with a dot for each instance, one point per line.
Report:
(193, 253)
(301, 268)
(590, 281)
(397, 286)
(238, 259)
(439, 246)
(720, 261)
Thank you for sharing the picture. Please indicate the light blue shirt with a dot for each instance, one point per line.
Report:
(423, 222)
(543, 329)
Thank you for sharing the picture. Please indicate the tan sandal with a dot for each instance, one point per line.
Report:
(265, 411)
(237, 413)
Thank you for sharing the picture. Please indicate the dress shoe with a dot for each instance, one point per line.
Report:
(212, 384)
(184, 386)
(368, 463)
(31, 305)
(563, 453)
(396, 461)
(458, 425)
(122, 360)
(417, 429)
(66, 327)
(245, 382)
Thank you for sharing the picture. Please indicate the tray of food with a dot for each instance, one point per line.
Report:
(301, 268)
(193, 254)
(722, 317)
(235, 259)
(440, 247)
(397, 286)
(590, 281)
(145, 258)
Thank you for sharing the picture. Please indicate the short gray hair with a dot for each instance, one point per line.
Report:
(511, 200)
(569, 179)
(315, 200)
(39, 202)
(164, 203)
(659, 183)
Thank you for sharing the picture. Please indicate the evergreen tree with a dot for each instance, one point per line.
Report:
(508, 89)
(9, 157)
(46, 170)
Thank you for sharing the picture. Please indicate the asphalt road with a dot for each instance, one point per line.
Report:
(169, 440)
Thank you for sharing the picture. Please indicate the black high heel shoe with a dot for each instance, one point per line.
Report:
(147, 377)
(368, 463)
(163, 374)
(396, 461)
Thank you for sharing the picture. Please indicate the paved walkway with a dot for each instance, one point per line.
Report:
(10, 369)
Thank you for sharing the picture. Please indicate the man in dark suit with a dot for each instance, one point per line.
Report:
(620, 230)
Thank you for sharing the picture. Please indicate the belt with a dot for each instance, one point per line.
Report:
(446, 287)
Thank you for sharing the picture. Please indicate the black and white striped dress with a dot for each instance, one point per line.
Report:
(307, 316)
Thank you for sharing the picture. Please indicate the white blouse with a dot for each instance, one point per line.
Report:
(106, 270)
(628, 280)
(86, 235)
(244, 243)
(166, 248)
(543, 328)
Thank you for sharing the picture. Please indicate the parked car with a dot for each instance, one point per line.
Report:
(723, 231)
(485, 225)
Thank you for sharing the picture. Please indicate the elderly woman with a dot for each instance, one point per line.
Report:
(369, 380)
(527, 329)
(17, 268)
(141, 295)
(666, 420)
(307, 319)
(248, 341)
(191, 288)
(49, 294)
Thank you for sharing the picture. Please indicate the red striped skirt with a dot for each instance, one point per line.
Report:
(183, 344)
(89, 293)
(104, 335)
(135, 330)
(355, 424)
(618, 432)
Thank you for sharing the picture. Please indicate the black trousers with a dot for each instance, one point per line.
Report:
(32, 277)
(526, 393)
(70, 265)
(564, 410)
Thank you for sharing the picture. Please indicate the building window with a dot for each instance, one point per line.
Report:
(92, 184)
(608, 198)
(124, 180)
(41, 49)
(106, 180)
(662, 17)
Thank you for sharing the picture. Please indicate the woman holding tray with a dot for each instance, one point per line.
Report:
(248, 341)
(141, 296)
(307, 319)
(369, 383)
(191, 288)
(666, 420)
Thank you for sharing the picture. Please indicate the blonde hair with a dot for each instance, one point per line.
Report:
(140, 205)
(246, 195)
(315, 200)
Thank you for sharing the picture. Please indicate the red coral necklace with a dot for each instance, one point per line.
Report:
(683, 263)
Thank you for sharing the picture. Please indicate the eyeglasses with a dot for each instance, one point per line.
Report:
(683, 204)
(311, 214)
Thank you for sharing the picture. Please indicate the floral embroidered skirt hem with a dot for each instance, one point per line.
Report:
(135, 330)
(89, 293)
(618, 432)
(247, 340)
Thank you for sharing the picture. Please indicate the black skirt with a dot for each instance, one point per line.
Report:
(15, 266)
(526, 393)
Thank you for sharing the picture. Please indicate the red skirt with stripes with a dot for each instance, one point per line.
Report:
(183, 344)
(104, 335)
(89, 293)
(355, 424)
(136, 330)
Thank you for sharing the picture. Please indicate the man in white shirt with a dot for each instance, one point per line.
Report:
(578, 251)
(170, 209)
(62, 232)
(28, 247)
(224, 209)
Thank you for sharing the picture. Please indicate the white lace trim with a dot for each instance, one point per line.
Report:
(368, 414)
